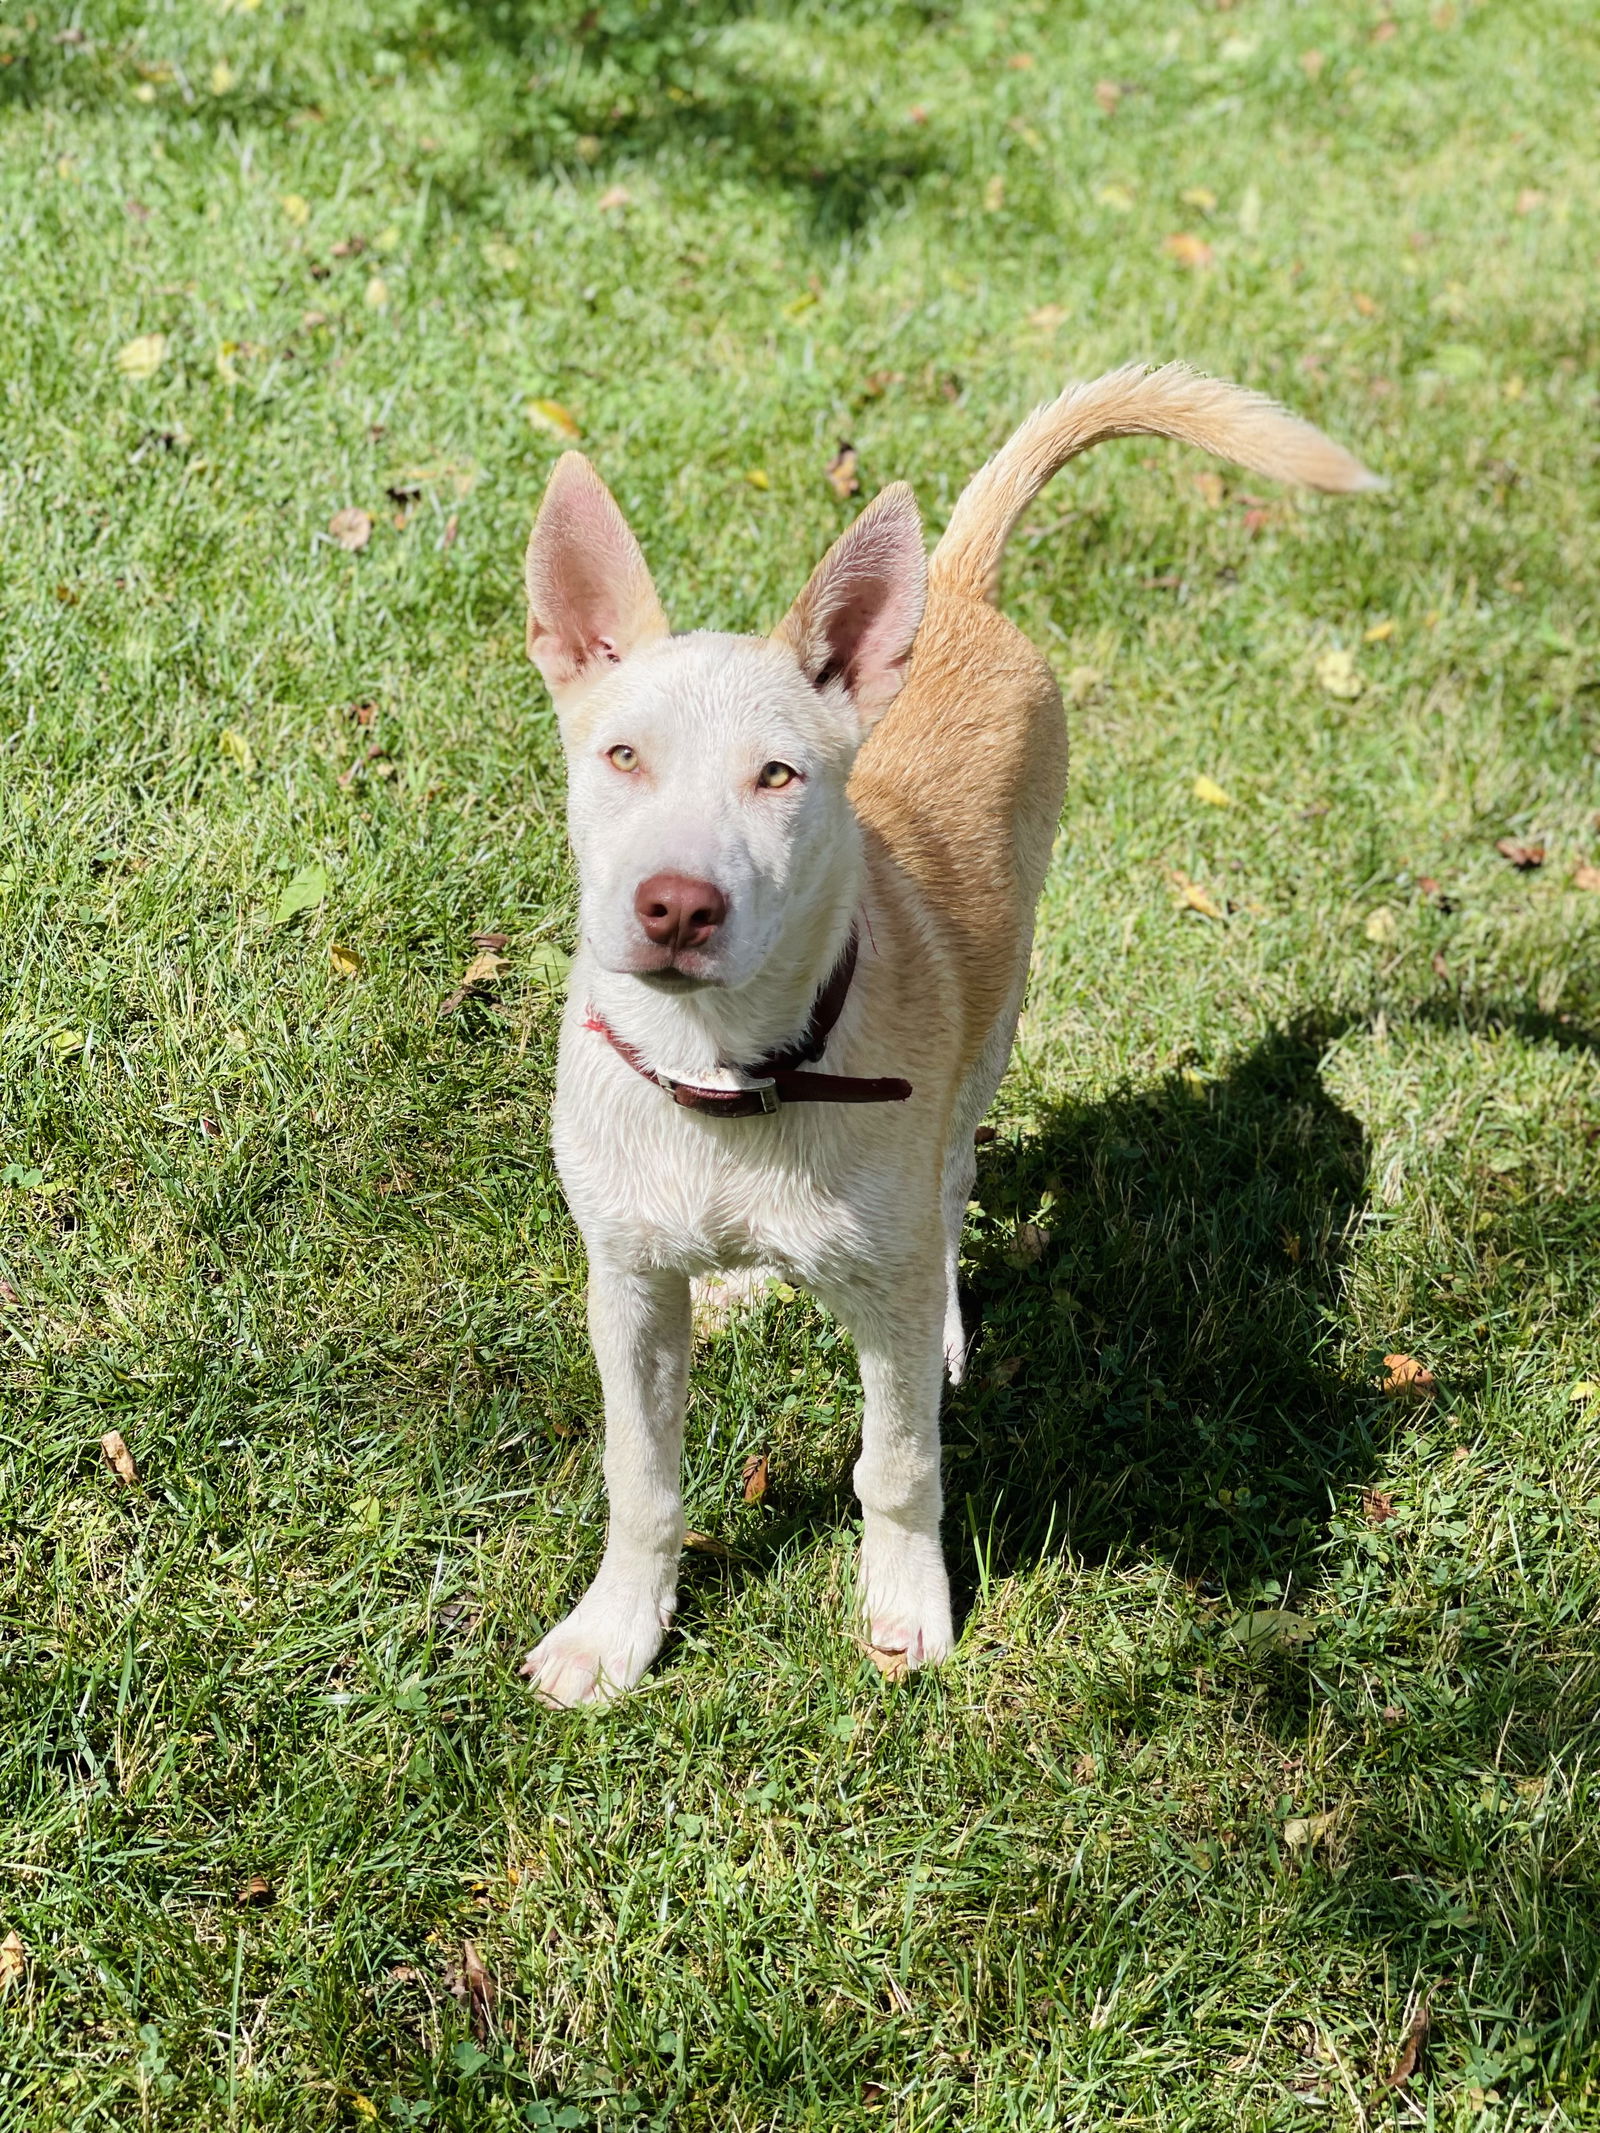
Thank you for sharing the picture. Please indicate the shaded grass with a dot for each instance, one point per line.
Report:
(298, 1239)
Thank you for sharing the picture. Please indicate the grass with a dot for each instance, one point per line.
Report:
(1276, 1706)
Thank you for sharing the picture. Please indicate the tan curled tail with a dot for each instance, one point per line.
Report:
(1177, 402)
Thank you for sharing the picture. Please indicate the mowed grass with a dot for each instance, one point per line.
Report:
(1275, 1712)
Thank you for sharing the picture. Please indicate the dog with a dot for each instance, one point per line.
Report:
(808, 865)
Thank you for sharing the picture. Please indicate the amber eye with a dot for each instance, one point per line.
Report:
(775, 776)
(622, 757)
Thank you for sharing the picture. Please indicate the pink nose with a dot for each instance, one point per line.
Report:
(678, 913)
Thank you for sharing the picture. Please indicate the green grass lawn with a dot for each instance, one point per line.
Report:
(1278, 1701)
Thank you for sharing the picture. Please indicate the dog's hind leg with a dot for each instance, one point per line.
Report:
(961, 1169)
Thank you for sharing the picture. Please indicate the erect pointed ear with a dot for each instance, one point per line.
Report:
(590, 599)
(859, 613)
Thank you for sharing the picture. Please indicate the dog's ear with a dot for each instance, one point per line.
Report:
(590, 599)
(859, 613)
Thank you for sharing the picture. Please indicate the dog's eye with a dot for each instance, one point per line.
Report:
(775, 776)
(622, 757)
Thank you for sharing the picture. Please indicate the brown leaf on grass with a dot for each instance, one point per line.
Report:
(1212, 489)
(1411, 2050)
(753, 1483)
(1108, 94)
(1529, 200)
(490, 943)
(893, 1666)
(703, 1544)
(1441, 969)
(1377, 1506)
(877, 382)
(1524, 857)
(119, 1458)
(1256, 520)
(613, 197)
(1585, 876)
(364, 712)
(13, 1960)
(475, 1988)
(1187, 249)
(1313, 63)
(1383, 31)
(9, 1295)
(257, 1890)
(452, 526)
(843, 479)
(486, 967)
(351, 528)
(1403, 1374)
(1029, 1244)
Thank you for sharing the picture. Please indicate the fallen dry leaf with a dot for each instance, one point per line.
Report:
(477, 1989)
(351, 528)
(1379, 633)
(1211, 792)
(1585, 876)
(753, 1485)
(614, 196)
(1048, 317)
(703, 1544)
(345, 961)
(1366, 305)
(1313, 63)
(1529, 200)
(1256, 520)
(1403, 1374)
(236, 749)
(376, 294)
(1381, 925)
(1212, 489)
(1441, 969)
(1020, 62)
(554, 419)
(1337, 673)
(1028, 1245)
(9, 1295)
(1108, 94)
(119, 1458)
(1377, 1506)
(843, 479)
(1301, 1831)
(143, 356)
(1187, 249)
(257, 1890)
(1119, 198)
(13, 1961)
(485, 967)
(893, 1666)
(1200, 196)
(296, 209)
(1411, 2050)
(1191, 897)
(994, 196)
(490, 943)
(1524, 857)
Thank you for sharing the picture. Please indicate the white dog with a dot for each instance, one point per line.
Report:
(822, 847)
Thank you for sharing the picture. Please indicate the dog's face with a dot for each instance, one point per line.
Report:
(706, 773)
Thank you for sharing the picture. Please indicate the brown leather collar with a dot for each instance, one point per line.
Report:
(777, 1079)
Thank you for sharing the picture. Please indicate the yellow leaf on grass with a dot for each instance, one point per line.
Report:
(234, 748)
(554, 419)
(1336, 671)
(118, 1457)
(1584, 1389)
(1211, 792)
(994, 196)
(387, 239)
(1200, 196)
(1381, 925)
(376, 294)
(1191, 897)
(297, 209)
(1119, 198)
(227, 369)
(13, 1961)
(1302, 1830)
(346, 963)
(143, 356)
(223, 78)
(1380, 632)
(484, 969)
(757, 477)
(1048, 317)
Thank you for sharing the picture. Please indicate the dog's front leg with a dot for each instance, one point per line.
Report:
(639, 1323)
(899, 1335)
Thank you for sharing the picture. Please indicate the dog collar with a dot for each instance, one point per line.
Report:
(779, 1077)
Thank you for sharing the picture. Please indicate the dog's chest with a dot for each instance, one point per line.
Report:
(663, 1187)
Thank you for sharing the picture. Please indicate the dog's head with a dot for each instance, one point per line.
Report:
(706, 773)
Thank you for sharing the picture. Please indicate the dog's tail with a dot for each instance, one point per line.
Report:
(1132, 402)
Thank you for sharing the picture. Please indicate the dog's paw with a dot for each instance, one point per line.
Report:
(906, 1597)
(602, 1648)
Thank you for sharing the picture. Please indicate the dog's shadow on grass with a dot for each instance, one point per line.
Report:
(1152, 1301)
